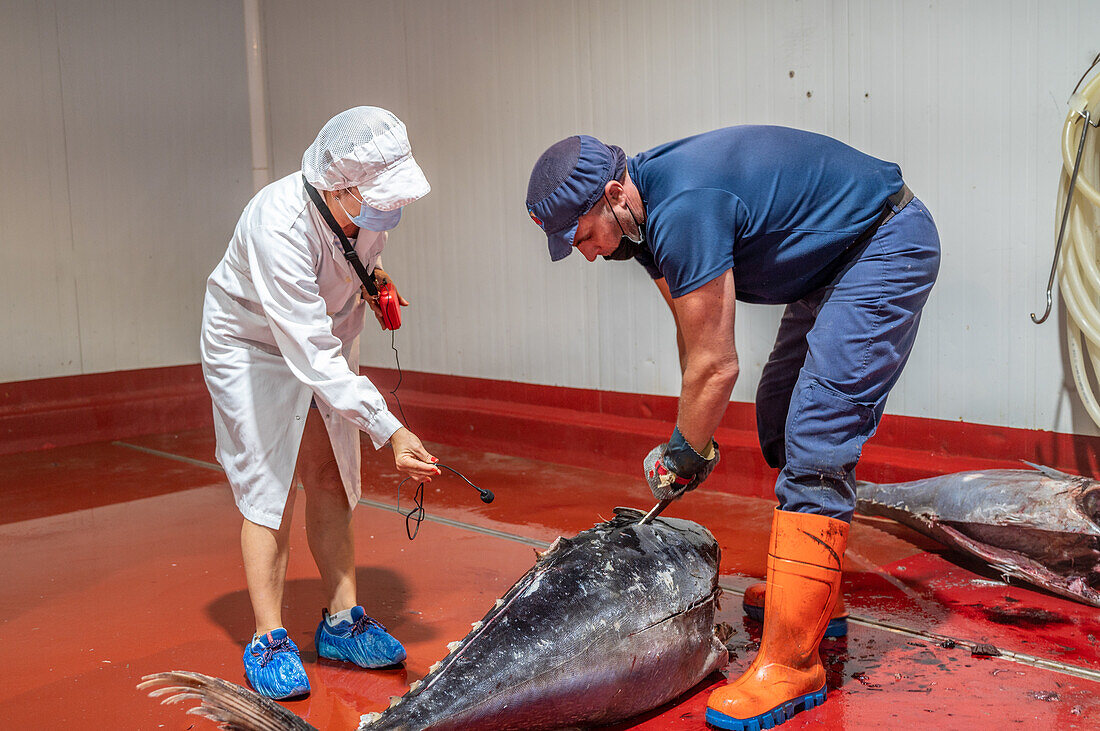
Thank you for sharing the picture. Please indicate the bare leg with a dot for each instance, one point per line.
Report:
(265, 552)
(328, 516)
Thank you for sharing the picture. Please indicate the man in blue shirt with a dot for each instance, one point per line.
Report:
(776, 216)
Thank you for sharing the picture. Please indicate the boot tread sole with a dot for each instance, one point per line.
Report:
(769, 719)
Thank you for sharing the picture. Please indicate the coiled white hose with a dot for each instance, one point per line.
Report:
(1079, 274)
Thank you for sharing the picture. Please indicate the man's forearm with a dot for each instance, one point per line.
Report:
(704, 396)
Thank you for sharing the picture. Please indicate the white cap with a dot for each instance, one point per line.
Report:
(366, 148)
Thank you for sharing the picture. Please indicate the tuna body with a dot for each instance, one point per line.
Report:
(606, 625)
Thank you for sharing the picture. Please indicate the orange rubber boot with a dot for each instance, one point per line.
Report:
(753, 603)
(787, 676)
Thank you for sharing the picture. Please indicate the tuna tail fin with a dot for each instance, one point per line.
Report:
(230, 706)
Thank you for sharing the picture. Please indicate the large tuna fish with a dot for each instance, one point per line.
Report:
(606, 625)
(1041, 526)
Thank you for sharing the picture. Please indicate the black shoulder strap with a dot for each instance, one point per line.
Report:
(349, 250)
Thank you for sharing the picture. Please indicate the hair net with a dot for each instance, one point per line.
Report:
(366, 148)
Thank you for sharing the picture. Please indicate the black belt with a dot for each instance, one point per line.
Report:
(890, 208)
(895, 203)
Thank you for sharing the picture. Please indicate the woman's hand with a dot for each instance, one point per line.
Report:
(381, 279)
(410, 456)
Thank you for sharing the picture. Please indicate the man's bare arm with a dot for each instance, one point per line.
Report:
(705, 319)
(662, 285)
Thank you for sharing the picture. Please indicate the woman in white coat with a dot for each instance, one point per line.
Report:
(280, 352)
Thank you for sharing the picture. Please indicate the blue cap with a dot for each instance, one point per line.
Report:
(566, 182)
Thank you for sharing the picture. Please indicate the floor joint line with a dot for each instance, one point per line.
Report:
(428, 517)
(169, 455)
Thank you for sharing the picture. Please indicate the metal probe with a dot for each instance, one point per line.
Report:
(657, 510)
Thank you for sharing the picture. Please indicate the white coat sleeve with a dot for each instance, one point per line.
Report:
(285, 281)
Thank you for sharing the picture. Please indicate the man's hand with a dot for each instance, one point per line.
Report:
(675, 468)
(410, 456)
(381, 279)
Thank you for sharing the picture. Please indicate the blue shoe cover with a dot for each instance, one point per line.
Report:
(837, 627)
(273, 666)
(362, 641)
(780, 714)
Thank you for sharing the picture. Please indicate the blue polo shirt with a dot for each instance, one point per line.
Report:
(779, 206)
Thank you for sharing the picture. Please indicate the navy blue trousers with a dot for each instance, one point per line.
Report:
(838, 353)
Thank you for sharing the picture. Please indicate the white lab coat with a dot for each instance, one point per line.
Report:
(281, 323)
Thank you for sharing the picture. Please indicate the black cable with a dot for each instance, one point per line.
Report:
(400, 376)
(415, 517)
(418, 511)
(479, 489)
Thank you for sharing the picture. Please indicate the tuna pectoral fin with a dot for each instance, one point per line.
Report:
(229, 705)
(694, 621)
(1050, 471)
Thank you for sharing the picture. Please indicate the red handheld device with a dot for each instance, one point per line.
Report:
(391, 311)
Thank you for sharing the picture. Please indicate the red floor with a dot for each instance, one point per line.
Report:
(121, 560)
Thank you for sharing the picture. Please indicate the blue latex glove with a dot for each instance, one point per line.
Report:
(675, 468)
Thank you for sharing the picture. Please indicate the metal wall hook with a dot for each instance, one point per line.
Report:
(1086, 115)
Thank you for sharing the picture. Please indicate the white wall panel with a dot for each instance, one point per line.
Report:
(968, 97)
(124, 142)
(124, 136)
(38, 319)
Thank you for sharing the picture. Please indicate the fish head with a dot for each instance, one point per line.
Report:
(1088, 502)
